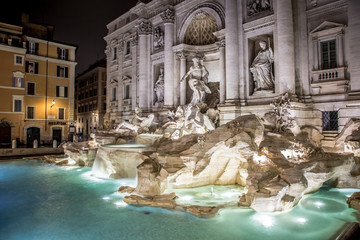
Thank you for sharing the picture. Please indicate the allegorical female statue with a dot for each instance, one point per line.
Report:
(159, 87)
(197, 82)
(261, 68)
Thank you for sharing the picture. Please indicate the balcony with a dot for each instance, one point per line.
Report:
(329, 74)
(127, 101)
(113, 103)
(329, 81)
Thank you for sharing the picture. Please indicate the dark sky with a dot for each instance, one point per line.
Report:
(79, 22)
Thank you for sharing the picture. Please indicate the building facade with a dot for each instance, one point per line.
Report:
(36, 85)
(255, 51)
(91, 99)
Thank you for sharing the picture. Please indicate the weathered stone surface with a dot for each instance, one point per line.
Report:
(82, 153)
(116, 163)
(220, 156)
(165, 200)
(202, 211)
(354, 201)
(126, 189)
(151, 178)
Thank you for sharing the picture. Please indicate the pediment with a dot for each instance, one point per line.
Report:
(326, 25)
(113, 81)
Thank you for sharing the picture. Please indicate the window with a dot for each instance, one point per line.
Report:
(18, 82)
(31, 67)
(114, 53)
(127, 91)
(90, 107)
(127, 52)
(30, 88)
(328, 54)
(79, 111)
(62, 71)
(113, 97)
(330, 121)
(32, 47)
(95, 91)
(62, 53)
(104, 107)
(19, 60)
(61, 113)
(61, 91)
(95, 78)
(17, 105)
(30, 113)
(104, 91)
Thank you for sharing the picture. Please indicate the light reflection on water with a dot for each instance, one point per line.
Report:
(41, 201)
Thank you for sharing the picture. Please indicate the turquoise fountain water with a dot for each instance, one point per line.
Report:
(41, 201)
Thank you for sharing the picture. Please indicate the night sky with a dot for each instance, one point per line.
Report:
(78, 22)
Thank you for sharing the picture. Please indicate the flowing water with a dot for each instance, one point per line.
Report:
(42, 201)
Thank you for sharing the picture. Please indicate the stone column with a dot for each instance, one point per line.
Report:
(222, 72)
(182, 74)
(232, 51)
(134, 74)
(353, 40)
(108, 87)
(177, 78)
(120, 87)
(285, 50)
(168, 16)
(339, 40)
(144, 29)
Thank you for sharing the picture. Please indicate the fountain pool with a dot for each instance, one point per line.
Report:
(42, 201)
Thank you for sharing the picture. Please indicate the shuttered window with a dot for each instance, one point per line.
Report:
(61, 91)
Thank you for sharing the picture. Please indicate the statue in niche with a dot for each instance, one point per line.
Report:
(261, 68)
(159, 87)
(256, 6)
(197, 82)
(138, 124)
(158, 38)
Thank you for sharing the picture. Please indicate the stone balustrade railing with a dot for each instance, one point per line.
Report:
(328, 74)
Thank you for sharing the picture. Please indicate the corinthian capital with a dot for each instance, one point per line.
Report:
(221, 43)
(168, 16)
(144, 28)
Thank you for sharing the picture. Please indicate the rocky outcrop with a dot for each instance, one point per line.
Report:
(151, 178)
(354, 201)
(168, 201)
(116, 163)
(81, 153)
(218, 157)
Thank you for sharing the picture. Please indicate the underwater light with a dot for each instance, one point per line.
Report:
(106, 198)
(301, 220)
(121, 204)
(319, 204)
(266, 220)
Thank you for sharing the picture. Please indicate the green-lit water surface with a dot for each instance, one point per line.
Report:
(41, 201)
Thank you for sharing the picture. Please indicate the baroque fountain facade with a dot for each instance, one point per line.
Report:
(225, 93)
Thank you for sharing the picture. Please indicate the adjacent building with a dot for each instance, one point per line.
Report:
(36, 85)
(91, 99)
(254, 51)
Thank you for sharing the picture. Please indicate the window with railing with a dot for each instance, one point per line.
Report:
(328, 54)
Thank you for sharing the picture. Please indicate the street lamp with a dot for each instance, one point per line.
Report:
(53, 103)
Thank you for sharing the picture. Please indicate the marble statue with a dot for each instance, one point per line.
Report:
(159, 87)
(257, 6)
(261, 68)
(138, 124)
(158, 38)
(198, 79)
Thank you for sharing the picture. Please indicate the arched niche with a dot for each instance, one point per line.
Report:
(213, 10)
